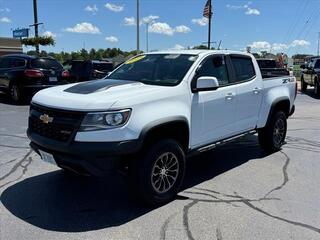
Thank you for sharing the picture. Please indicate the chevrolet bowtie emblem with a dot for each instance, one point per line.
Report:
(46, 118)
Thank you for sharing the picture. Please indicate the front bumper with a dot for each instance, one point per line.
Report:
(89, 158)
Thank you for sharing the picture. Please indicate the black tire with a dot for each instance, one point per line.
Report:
(303, 85)
(272, 137)
(316, 88)
(15, 93)
(152, 171)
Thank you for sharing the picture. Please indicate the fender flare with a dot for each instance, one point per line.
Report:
(158, 123)
(273, 107)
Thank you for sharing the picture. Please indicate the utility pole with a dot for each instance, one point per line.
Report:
(147, 36)
(36, 24)
(138, 26)
(318, 43)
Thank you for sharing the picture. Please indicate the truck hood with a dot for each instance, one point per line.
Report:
(97, 95)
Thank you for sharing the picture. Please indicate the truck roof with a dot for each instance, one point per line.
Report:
(200, 52)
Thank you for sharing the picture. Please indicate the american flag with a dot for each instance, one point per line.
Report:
(207, 9)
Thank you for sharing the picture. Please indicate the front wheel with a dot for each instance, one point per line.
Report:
(303, 85)
(158, 175)
(272, 137)
(316, 88)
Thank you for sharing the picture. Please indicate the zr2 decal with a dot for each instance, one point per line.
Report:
(287, 80)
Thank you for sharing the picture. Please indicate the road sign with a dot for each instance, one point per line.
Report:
(19, 33)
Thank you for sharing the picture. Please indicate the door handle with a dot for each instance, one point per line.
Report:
(256, 90)
(230, 96)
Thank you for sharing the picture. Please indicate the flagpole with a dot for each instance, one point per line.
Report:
(209, 25)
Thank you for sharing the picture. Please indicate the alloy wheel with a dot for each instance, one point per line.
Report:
(165, 172)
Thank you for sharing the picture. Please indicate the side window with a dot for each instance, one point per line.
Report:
(317, 65)
(215, 67)
(243, 68)
(5, 63)
(18, 62)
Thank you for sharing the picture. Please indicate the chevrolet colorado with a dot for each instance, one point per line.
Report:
(156, 109)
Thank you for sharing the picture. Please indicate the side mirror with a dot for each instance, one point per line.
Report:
(206, 84)
(303, 66)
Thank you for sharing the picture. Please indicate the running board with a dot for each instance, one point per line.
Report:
(222, 142)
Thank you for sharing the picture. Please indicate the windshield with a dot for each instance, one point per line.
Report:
(155, 69)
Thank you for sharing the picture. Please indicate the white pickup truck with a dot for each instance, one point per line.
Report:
(155, 110)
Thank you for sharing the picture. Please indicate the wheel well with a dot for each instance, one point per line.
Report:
(177, 130)
(283, 105)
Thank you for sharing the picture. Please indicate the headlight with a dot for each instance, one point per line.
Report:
(105, 120)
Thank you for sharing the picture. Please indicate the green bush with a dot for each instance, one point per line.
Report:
(34, 41)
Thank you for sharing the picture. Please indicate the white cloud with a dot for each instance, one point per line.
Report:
(150, 19)
(177, 47)
(266, 46)
(161, 28)
(252, 11)
(93, 9)
(182, 29)
(114, 7)
(49, 34)
(237, 7)
(200, 21)
(5, 20)
(112, 39)
(84, 28)
(300, 43)
(279, 46)
(261, 46)
(249, 11)
(129, 21)
(4, 9)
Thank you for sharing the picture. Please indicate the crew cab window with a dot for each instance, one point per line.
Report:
(317, 65)
(215, 67)
(243, 68)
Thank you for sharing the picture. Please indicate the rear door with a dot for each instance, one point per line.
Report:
(5, 64)
(213, 112)
(249, 92)
(308, 72)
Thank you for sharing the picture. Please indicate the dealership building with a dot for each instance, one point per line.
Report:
(9, 46)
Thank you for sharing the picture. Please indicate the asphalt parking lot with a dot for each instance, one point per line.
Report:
(235, 192)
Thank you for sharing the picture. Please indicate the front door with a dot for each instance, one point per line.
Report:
(213, 112)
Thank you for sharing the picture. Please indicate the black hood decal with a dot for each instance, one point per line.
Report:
(96, 86)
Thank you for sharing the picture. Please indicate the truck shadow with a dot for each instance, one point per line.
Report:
(5, 99)
(310, 92)
(57, 201)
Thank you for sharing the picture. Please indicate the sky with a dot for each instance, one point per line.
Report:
(289, 26)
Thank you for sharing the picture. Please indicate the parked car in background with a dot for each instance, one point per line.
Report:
(85, 70)
(156, 109)
(311, 75)
(270, 68)
(22, 75)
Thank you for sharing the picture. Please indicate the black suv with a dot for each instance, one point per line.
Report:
(22, 75)
(311, 75)
(85, 70)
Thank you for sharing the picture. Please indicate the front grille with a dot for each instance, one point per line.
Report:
(63, 126)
